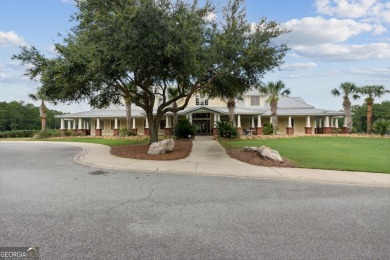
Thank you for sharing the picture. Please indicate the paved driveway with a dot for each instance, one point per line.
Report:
(74, 211)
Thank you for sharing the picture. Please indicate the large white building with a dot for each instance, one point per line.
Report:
(295, 116)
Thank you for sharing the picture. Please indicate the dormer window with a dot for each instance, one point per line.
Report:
(255, 101)
(201, 101)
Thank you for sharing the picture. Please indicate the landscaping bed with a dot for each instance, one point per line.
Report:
(181, 150)
(255, 159)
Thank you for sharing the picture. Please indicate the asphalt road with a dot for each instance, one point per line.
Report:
(72, 211)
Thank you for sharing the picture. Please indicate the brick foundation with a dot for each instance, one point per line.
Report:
(215, 131)
(115, 132)
(259, 131)
(134, 130)
(327, 130)
(239, 130)
(344, 130)
(168, 131)
(146, 131)
(98, 132)
(289, 130)
(308, 130)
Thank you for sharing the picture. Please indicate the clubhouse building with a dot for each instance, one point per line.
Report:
(295, 116)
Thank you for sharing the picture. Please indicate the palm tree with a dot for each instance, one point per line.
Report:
(273, 91)
(231, 106)
(42, 108)
(347, 89)
(372, 92)
(172, 93)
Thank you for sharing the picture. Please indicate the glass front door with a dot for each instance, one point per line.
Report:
(202, 127)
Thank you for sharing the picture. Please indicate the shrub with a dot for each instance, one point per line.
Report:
(226, 129)
(124, 132)
(49, 133)
(381, 126)
(184, 129)
(17, 134)
(268, 129)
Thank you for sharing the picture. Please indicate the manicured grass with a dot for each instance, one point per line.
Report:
(106, 141)
(333, 153)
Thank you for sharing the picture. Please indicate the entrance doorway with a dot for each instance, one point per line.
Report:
(202, 123)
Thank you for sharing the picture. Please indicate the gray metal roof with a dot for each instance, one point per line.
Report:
(287, 106)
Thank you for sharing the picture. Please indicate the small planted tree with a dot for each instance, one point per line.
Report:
(273, 91)
(372, 92)
(347, 89)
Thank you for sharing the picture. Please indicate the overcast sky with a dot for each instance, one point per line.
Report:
(332, 41)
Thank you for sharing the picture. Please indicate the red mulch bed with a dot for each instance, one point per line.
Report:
(183, 149)
(140, 151)
(255, 159)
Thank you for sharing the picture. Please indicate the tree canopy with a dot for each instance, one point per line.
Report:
(137, 49)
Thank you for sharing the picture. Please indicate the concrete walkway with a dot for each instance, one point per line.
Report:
(208, 157)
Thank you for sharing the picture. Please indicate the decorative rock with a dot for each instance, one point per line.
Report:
(269, 154)
(251, 149)
(162, 147)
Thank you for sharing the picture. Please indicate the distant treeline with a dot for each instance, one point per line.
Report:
(25, 116)
(380, 111)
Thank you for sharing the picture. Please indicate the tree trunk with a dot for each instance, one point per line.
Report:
(369, 117)
(274, 115)
(129, 123)
(42, 112)
(154, 124)
(347, 112)
(175, 117)
(43, 123)
(231, 105)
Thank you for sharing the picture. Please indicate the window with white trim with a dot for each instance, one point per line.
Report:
(255, 101)
(201, 101)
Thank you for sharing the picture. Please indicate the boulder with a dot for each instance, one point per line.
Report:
(251, 149)
(162, 147)
(269, 154)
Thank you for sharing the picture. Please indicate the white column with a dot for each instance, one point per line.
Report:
(69, 124)
(308, 121)
(289, 124)
(258, 120)
(326, 123)
(167, 122)
(133, 123)
(215, 118)
(98, 123)
(74, 124)
(146, 123)
(219, 117)
(190, 118)
(116, 123)
(80, 125)
(62, 124)
(87, 125)
(336, 123)
(332, 122)
(253, 122)
(315, 123)
(238, 121)
(270, 119)
(320, 123)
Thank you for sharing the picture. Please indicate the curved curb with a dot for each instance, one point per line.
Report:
(99, 156)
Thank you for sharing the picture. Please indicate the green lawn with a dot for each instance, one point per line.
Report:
(334, 153)
(105, 141)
